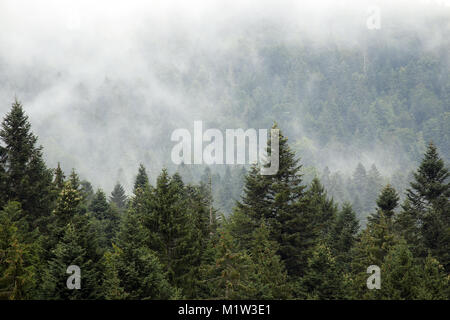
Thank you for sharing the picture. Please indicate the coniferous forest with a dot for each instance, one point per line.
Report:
(359, 208)
(283, 240)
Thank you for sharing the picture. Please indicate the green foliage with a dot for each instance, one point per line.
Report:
(118, 197)
(170, 242)
(322, 279)
(133, 271)
(26, 178)
(18, 259)
(141, 182)
(343, 236)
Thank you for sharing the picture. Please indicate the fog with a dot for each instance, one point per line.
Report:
(104, 82)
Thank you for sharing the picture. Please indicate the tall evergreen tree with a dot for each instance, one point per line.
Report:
(18, 258)
(322, 279)
(425, 219)
(343, 236)
(99, 206)
(118, 197)
(141, 182)
(387, 202)
(172, 229)
(78, 246)
(133, 271)
(27, 179)
(279, 199)
(59, 178)
(268, 276)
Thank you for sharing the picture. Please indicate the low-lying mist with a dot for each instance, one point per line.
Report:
(106, 84)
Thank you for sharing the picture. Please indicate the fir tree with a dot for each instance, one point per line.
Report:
(387, 202)
(279, 200)
(322, 279)
(133, 271)
(76, 247)
(425, 219)
(59, 178)
(269, 277)
(118, 197)
(343, 236)
(99, 206)
(141, 182)
(18, 259)
(228, 277)
(400, 275)
(27, 179)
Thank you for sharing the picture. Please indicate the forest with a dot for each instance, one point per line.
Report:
(284, 237)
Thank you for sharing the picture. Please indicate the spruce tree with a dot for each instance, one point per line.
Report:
(77, 246)
(372, 247)
(99, 207)
(434, 281)
(322, 279)
(268, 276)
(229, 274)
(172, 229)
(279, 199)
(343, 236)
(18, 258)
(141, 182)
(425, 219)
(59, 178)
(26, 177)
(133, 271)
(431, 183)
(387, 202)
(118, 197)
(400, 275)
(323, 209)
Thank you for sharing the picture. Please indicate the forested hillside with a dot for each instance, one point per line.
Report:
(285, 238)
(363, 101)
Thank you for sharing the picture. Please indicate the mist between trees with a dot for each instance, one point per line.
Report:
(284, 237)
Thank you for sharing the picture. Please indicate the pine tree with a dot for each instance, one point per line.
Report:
(99, 206)
(59, 178)
(67, 205)
(323, 209)
(75, 180)
(118, 197)
(268, 277)
(322, 279)
(374, 184)
(87, 192)
(105, 218)
(228, 276)
(172, 229)
(425, 219)
(27, 179)
(400, 275)
(141, 182)
(78, 246)
(434, 282)
(133, 271)
(343, 236)
(371, 249)
(430, 181)
(18, 259)
(387, 202)
(279, 200)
